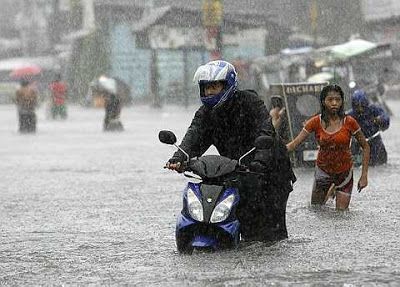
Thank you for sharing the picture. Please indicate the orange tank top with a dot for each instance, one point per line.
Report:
(334, 155)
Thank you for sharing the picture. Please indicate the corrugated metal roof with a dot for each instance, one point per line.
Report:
(150, 18)
(266, 8)
(243, 13)
(255, 7)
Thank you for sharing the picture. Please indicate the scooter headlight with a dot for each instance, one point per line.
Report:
(222, 210)
(194, 206)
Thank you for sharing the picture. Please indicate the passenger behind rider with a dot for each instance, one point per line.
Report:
(231, 120)
(372, 120)
(279, 117)
(333, 132)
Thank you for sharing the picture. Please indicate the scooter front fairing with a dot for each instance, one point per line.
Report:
(202, 231)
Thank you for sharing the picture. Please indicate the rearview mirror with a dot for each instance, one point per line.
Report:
(167, 137)
(263, 142)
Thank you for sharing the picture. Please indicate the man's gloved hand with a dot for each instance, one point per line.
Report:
(175, 164)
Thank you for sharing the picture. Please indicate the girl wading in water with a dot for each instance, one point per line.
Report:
(334, 167)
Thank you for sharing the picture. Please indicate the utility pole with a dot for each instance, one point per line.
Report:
(213, 16)
(154, 76)
(314, 21)
(154, 72)
(186, 80)
(54, 26)
(88, 21)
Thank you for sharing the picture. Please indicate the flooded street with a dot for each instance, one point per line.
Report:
(79, 206)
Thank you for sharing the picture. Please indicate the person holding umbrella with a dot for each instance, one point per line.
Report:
(26, 97)
(107, 87)
(26, 100)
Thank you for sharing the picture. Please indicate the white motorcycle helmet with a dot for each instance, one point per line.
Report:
(216, 71)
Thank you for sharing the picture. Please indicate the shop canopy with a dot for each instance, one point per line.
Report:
(343, 52)
(352, 48)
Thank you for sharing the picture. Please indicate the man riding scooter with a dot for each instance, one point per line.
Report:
(231, 120)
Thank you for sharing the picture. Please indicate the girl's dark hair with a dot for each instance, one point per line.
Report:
(324, 93)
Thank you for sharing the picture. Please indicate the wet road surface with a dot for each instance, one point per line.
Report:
(79, 206)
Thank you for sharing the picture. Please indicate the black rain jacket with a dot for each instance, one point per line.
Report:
(232, 128)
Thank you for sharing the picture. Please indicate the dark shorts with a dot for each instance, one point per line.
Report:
(343, 181)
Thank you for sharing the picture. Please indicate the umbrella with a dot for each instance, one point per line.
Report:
(25, 71)
(107, 84)
(112, 85)
(124, 90)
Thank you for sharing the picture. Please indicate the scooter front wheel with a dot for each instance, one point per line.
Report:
(184, 244)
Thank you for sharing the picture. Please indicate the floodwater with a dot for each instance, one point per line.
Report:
(79, 206)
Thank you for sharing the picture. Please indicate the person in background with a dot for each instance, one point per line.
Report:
(58, 90)
(278, 112)
(372, 120)
(334, 166)
(26, 100)
(112, 104)
(231, 120)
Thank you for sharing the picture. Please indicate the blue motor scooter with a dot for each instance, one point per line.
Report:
(208, 218)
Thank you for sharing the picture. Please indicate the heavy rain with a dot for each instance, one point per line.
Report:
(87, 85)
